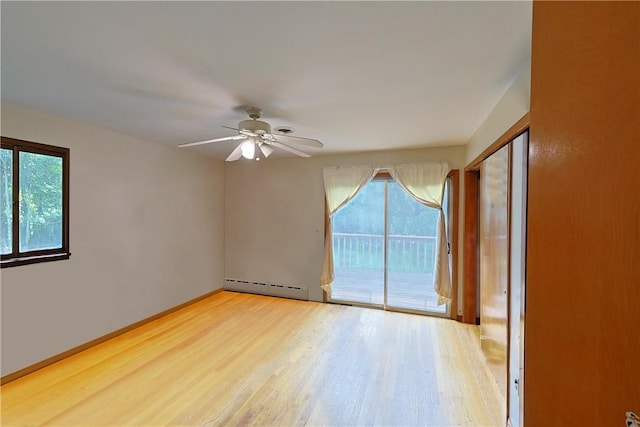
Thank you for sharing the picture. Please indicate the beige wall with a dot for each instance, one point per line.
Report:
(146, 234)
(512, 106)
(274, 213)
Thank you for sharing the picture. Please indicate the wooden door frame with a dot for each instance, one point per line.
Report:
(454, 175)
(471, 198)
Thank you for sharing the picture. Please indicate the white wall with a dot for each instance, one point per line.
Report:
(274, 213)
(512, 106)
(146, 234)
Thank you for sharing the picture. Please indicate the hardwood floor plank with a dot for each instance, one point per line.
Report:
(239, 359)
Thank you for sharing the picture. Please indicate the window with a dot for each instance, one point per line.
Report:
(34, 202)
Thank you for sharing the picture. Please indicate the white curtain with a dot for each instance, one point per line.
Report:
(425, 182)
(340, 185)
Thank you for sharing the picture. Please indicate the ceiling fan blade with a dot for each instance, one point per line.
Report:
(209, 141)
(289, 149)
(235, 154)
(309, 142)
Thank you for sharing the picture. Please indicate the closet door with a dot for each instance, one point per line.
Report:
(494, 263)
(517, 263)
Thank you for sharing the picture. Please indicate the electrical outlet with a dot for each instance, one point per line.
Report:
(632, 420)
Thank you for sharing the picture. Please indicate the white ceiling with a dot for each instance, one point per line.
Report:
(359, 76)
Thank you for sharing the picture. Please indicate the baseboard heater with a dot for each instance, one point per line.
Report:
(270, 289)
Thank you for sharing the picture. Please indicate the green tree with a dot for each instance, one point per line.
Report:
(6, 214)
(40, 201)
(364, 213)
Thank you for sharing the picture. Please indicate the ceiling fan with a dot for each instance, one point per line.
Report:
(257, 139)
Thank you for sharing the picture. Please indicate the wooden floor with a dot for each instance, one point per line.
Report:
(240, 359)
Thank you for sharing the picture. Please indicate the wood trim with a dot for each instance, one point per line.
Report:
(454, 174)
(58, 357)
(512, 133)
(470, 249)
(382, 175)
(14, 262)
(34, 147)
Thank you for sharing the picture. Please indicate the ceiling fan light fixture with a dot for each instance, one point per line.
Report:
(248, 149)
(255, 126)
(266, 150)
(256, 140)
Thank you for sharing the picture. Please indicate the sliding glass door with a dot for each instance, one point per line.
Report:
(358, 247)
(384, 244)
(411, 245)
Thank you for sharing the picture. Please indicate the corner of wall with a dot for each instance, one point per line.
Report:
(510, 108)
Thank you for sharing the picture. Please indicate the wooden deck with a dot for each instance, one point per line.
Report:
(412, 291)
(239, 360)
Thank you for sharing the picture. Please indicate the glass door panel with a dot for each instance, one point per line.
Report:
(384, 227)
(411, 244)
(358, 247)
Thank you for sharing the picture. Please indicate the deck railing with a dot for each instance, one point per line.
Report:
(413, 254)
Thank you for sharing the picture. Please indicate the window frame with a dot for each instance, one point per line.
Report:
(16, 257)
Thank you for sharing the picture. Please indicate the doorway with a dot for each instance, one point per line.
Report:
(384, 244)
